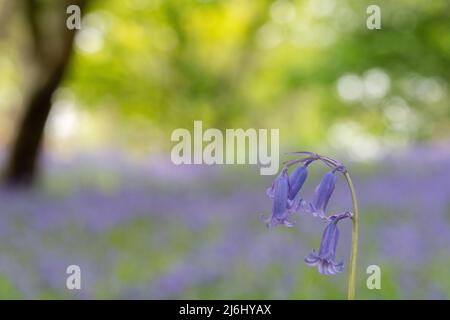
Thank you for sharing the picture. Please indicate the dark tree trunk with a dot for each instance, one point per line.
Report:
(22, 162)
(25, 151)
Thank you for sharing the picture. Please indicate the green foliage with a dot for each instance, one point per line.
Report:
(163, 64)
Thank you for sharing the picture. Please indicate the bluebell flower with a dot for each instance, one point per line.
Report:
(296, 180)
(282, 206)
(325, 260)
(322, 195)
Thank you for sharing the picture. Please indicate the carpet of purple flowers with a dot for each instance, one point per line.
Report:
(157, 231)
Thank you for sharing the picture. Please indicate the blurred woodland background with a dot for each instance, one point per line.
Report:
(85, 124)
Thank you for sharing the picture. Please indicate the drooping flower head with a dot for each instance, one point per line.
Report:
(284, 194)
(323, 194)
(281, 204)
(325, 259)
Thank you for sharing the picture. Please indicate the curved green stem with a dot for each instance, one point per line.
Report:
(352, 273)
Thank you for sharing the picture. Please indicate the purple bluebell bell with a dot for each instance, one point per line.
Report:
(322, 195)
(281, 204)
(325, 260)
(296, 180)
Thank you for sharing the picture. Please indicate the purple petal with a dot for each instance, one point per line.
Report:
(312, 259)
(296, 180)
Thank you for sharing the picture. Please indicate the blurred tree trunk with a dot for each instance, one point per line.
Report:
(52, 50)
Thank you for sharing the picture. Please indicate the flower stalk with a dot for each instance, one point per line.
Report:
(354, 252)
